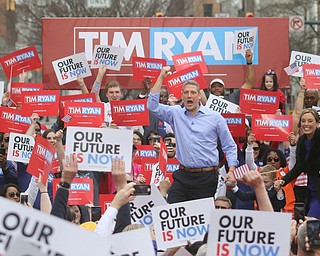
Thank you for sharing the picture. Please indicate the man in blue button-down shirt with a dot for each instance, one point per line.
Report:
(197, 130)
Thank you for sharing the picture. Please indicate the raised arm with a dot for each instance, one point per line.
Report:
(34, 119)
(97, 83)
(157, 86)
(298, 106)
(249, 83)
(82, 85)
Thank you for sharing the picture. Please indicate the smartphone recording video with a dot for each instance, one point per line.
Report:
(23, 198)
(313, 232)
(299, 211)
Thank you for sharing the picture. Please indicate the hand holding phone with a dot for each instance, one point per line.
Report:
(23, 198)
(313, 232)
(95, 213)
(299, 211)
(142, 190)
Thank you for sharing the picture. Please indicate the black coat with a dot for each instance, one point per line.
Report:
(310, 166)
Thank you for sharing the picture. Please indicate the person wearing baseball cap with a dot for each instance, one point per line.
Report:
(217, 85)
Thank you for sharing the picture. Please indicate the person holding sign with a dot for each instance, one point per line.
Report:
(307, 160)
(270, 83)
(197, 131)
(217, 86)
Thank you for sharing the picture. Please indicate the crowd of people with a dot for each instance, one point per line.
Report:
(281, 173)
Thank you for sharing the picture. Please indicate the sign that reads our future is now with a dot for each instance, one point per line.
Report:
(96, 147)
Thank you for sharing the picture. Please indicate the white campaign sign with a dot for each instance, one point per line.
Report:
(21, 247)
(69, 68)
(135, 242)
(244, 40)
(46, 231)
(96, 147)
(242, 233)
(303, 58)
(176, 224)
(20, 147)
(220, 105)
(109, 56)
(141, 206)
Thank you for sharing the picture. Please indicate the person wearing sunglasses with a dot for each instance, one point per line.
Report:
(170, 142)
(277, 159)
(270, 83)
(11, 191)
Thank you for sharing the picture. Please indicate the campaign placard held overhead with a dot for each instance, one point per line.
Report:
(147, 67)
(220, 105)
(44, 103)
(175, 81)
(130, 112)
(20, 61)
(245, 40)
(301, 58)
(46, 232)
(41, 158)
(20, 147)
(243, 233)
(258, 101)
(80, 193)
(86, 114)
(87, 97)
(184, 60)
(236, 124)
(13, 120)
(69, 68)
(271, 127)
(311, 73)
(96, 147)
(17, 89)
(109, 56)
(140, 207)
(176, 224)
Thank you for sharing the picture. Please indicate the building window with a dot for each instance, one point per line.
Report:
(207, 10)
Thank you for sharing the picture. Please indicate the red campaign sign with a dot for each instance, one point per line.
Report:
(145, 151)
(12, 120)
(55, 167)
(80, 193)
(236, 124)
(87, 97)
(185, 60)
(271, 127)
(172, 165)
(105, 201)
(44, 103)
(147, 67)
(41, 158)
(18, 88)
(163, 157)
(146, 168)
(311, 73)
(86, 114)
(130, 112)
(20, 61)
(175, 81)
(258, 101)
(157, 38)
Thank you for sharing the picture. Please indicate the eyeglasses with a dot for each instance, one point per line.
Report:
(270, 72)
(256, 148)
(221, 207)
(6, 139)
(12, 194)
(275, 159)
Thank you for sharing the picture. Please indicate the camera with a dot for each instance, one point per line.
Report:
(23, 198)
(313, 232)
(142, 190)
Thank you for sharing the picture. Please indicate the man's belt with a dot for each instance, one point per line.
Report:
(203, 169)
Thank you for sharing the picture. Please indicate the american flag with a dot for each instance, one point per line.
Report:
(291, 69)
(238, 172)
(67, 118)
